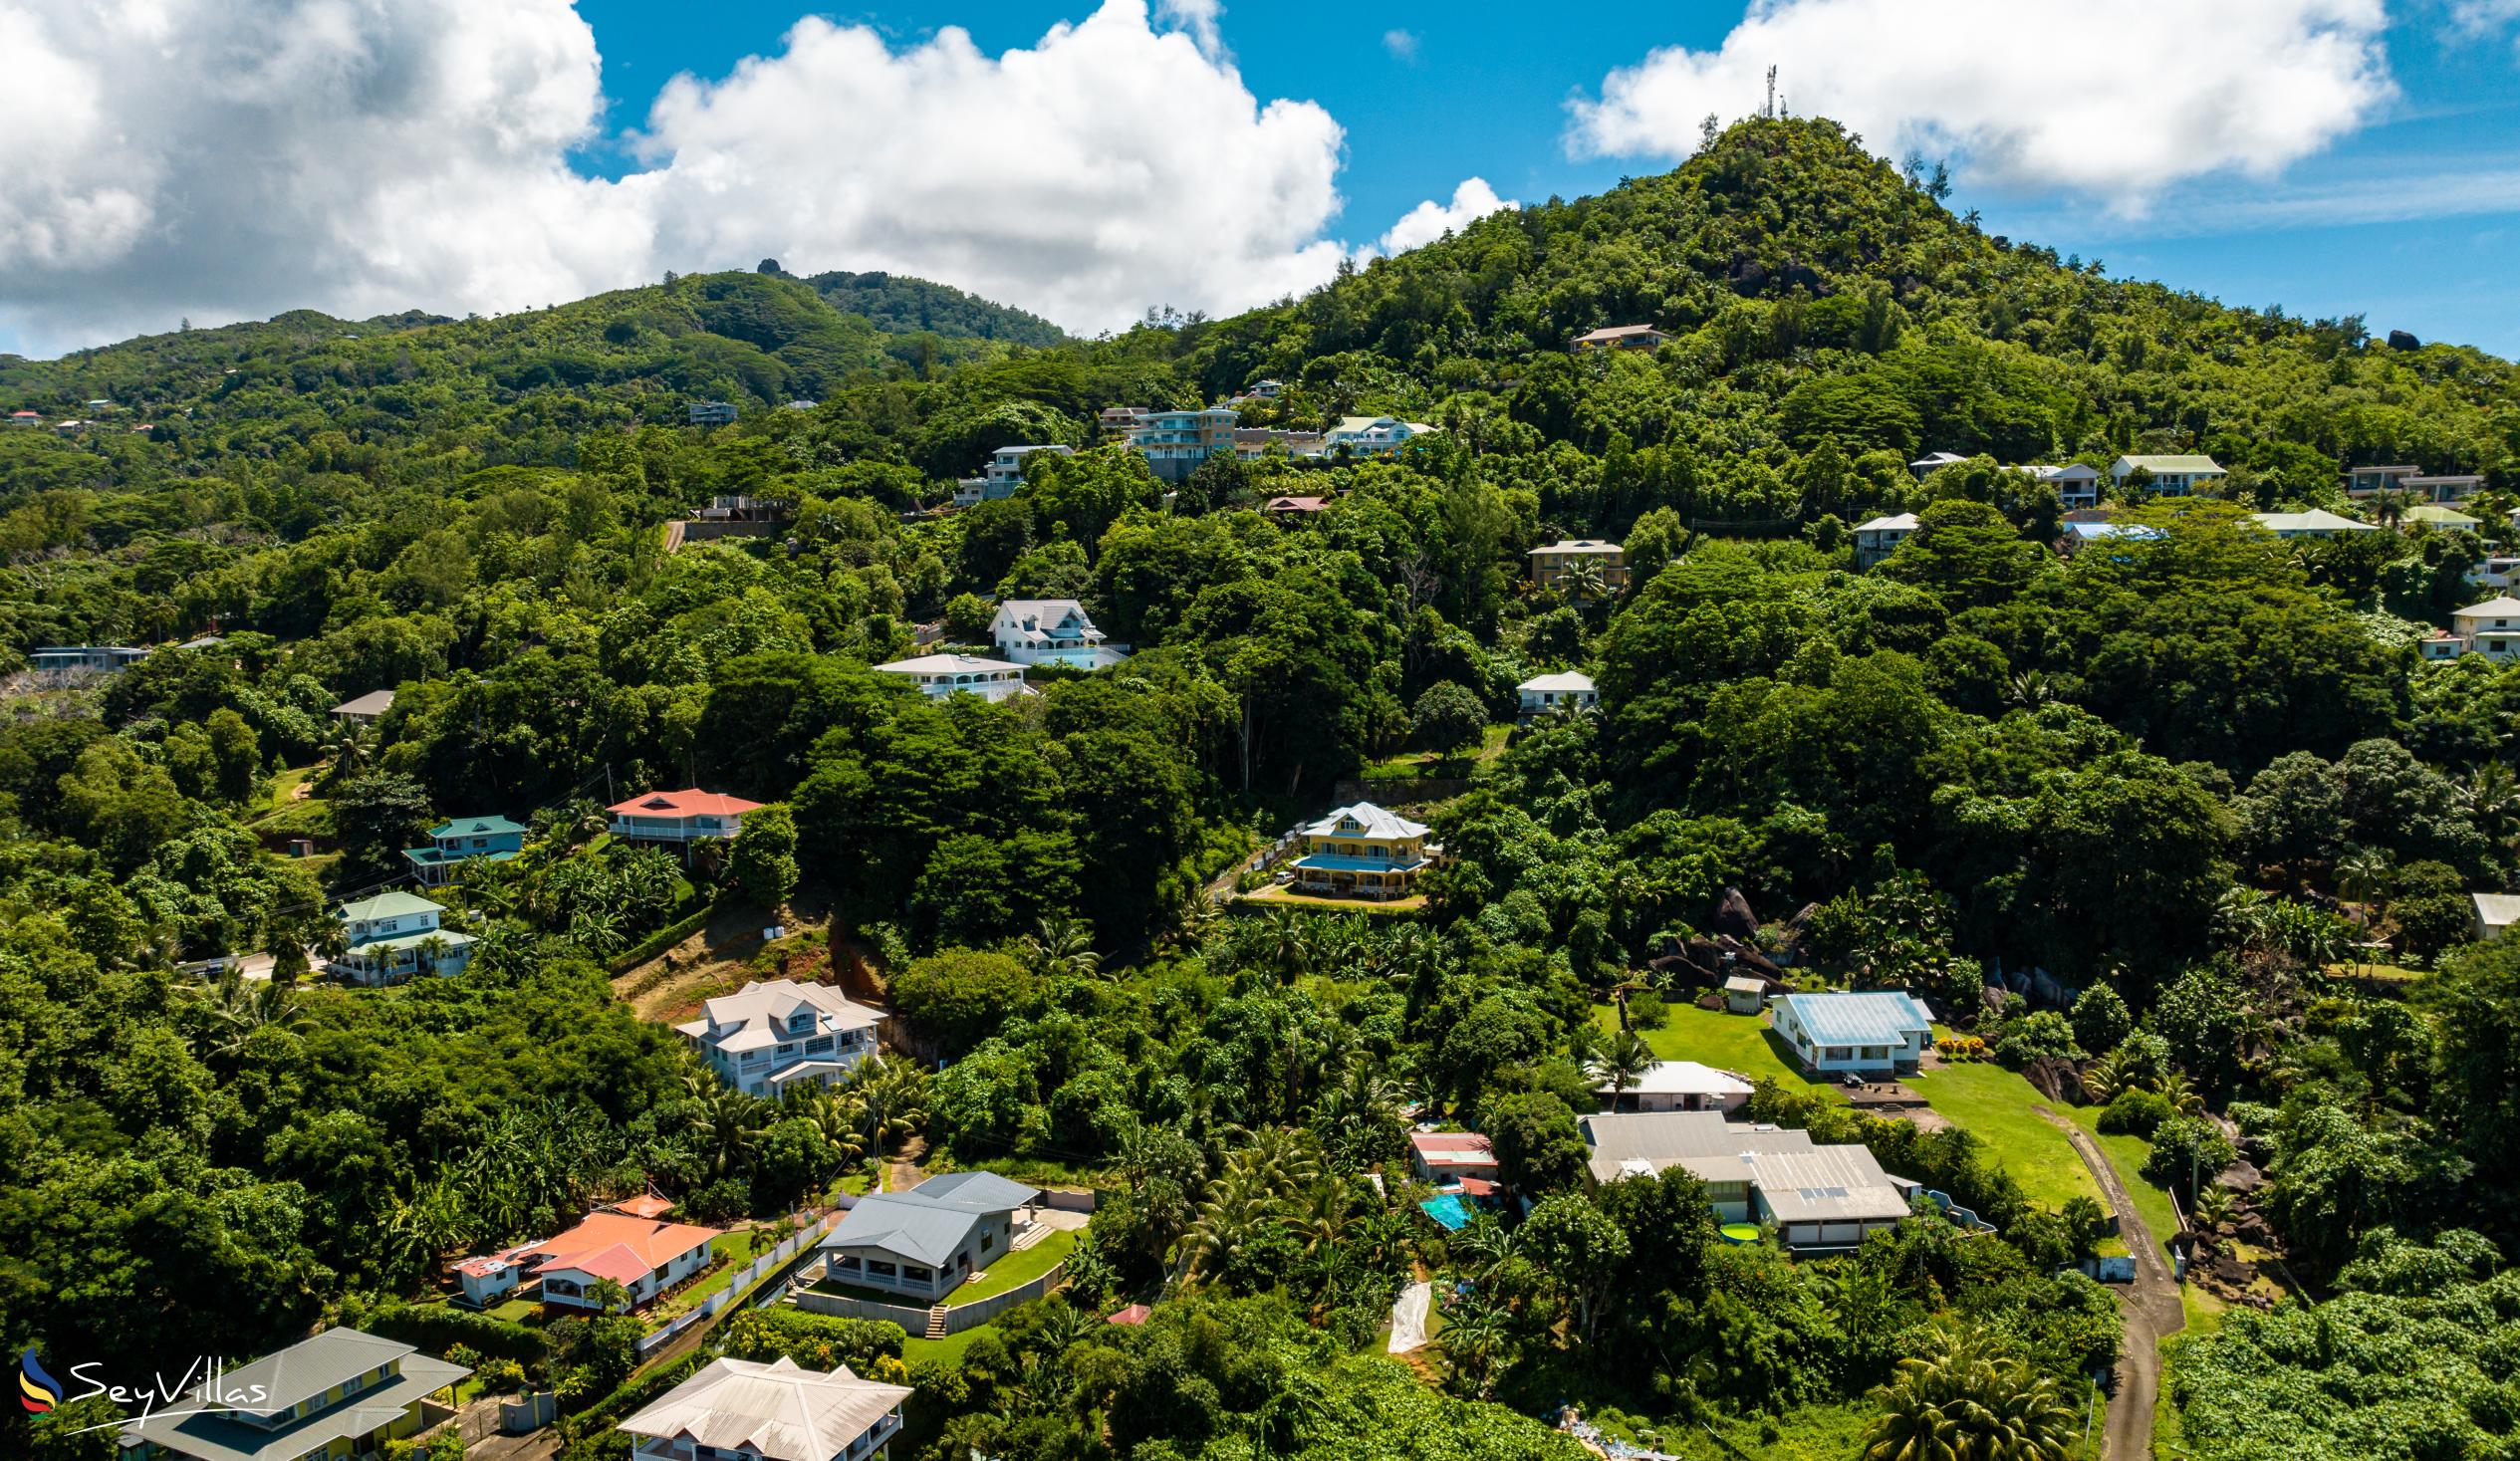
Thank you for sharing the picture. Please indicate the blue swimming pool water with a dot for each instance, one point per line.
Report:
(1449, 1210)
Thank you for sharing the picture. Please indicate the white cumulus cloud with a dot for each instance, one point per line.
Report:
(1430, 220)
(2116, 99)
(231, 158)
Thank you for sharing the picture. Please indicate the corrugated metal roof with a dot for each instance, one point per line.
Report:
(1866, 1017)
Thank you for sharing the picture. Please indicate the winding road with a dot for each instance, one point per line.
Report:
(2151, 1306)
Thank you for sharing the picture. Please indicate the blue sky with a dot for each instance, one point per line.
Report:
(1089, 159)
(1482, 90)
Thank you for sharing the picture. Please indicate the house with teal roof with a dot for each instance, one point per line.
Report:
(396, 935)
(494, 838)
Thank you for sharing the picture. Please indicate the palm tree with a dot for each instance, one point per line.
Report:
(1962, 1402)
(430, 950)
(1474, 1339)
(1621, 1062)
(1061, 948)
(2363, 874)
(1237, 1210)
(1193, 919)
(723, 1127)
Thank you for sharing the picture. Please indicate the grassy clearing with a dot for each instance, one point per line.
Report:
(2126, 1154)
(1392, 907)
(1728, 1042)
(731, 1252)
(1810, 1433)
(1019, 1267)
(947, 1350)
(1994, 1105)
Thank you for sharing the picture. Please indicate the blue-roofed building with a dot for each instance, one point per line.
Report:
(451, 841)
(1871, 1030)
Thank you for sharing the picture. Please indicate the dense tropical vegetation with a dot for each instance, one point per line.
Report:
(2195, 778)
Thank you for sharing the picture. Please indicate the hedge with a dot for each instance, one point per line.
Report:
(436, 1328)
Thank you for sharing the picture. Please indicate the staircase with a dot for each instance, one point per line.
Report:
(937, 1322)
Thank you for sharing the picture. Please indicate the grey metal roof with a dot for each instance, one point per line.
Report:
(1826, 1184)
(1863, 1017)
(1702, 1143)
(931, 1220)
(302, 1371)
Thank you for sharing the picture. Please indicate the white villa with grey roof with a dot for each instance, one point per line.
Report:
(746, 1410)
(1874, 1030)
(340, 1393)
(1052, 631)
(924, 1243)
(1820, 1198)
(769, 1035)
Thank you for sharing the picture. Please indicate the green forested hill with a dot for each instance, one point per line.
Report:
(2193, 772)
(630, 355)
(907, 306)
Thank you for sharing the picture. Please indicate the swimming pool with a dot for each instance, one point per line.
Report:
(1450, 1210)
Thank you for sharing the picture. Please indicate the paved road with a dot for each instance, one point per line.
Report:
(2151, 1306)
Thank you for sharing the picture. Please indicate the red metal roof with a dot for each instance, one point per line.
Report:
(612, 1244)
(643, 1207)
(1134, 1314)
(691, 801)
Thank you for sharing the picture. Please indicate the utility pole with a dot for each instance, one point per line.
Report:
(1770, 113)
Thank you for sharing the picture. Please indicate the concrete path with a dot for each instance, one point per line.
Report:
(2149, 1305)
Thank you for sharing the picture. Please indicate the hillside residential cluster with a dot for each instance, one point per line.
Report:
(1810, 871)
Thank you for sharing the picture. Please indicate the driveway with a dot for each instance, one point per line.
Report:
(2149, 1305)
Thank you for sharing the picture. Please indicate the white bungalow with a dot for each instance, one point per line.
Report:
(1543, 693)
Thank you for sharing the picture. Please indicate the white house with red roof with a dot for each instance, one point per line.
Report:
(1451, 1158)
(646, 1255)
(681, 817)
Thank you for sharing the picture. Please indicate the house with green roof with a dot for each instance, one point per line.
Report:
(459, 840)
(343, 1393)
(396, 935)
(2171, 476)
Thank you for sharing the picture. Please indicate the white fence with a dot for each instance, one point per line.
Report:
(761, 1266)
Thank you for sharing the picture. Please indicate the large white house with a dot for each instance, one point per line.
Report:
(747, 1410)
(924, 1243)
(2076, 484)
(939, 675)
(1372, 435)
(1820, 1198)
(1878, 538)
(1863, 1031)
(1678, 1085)
(2172, 476)
(396, 935)
(2490, 628)
(2318, 522)
(769, 1035)
(1571, 690)
(1052, 631)
(1003, 473)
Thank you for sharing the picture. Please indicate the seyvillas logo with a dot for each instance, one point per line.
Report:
(36, 1392)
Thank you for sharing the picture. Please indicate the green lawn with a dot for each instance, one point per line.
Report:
(1994, 1105)
(1019, 1267)
(1726, 1041)
(1390, 908)
(2126, 1154)
(516, 1311)
(947, 1350)
(731, 1251)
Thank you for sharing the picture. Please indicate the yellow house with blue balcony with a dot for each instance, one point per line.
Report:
(1362, 852)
